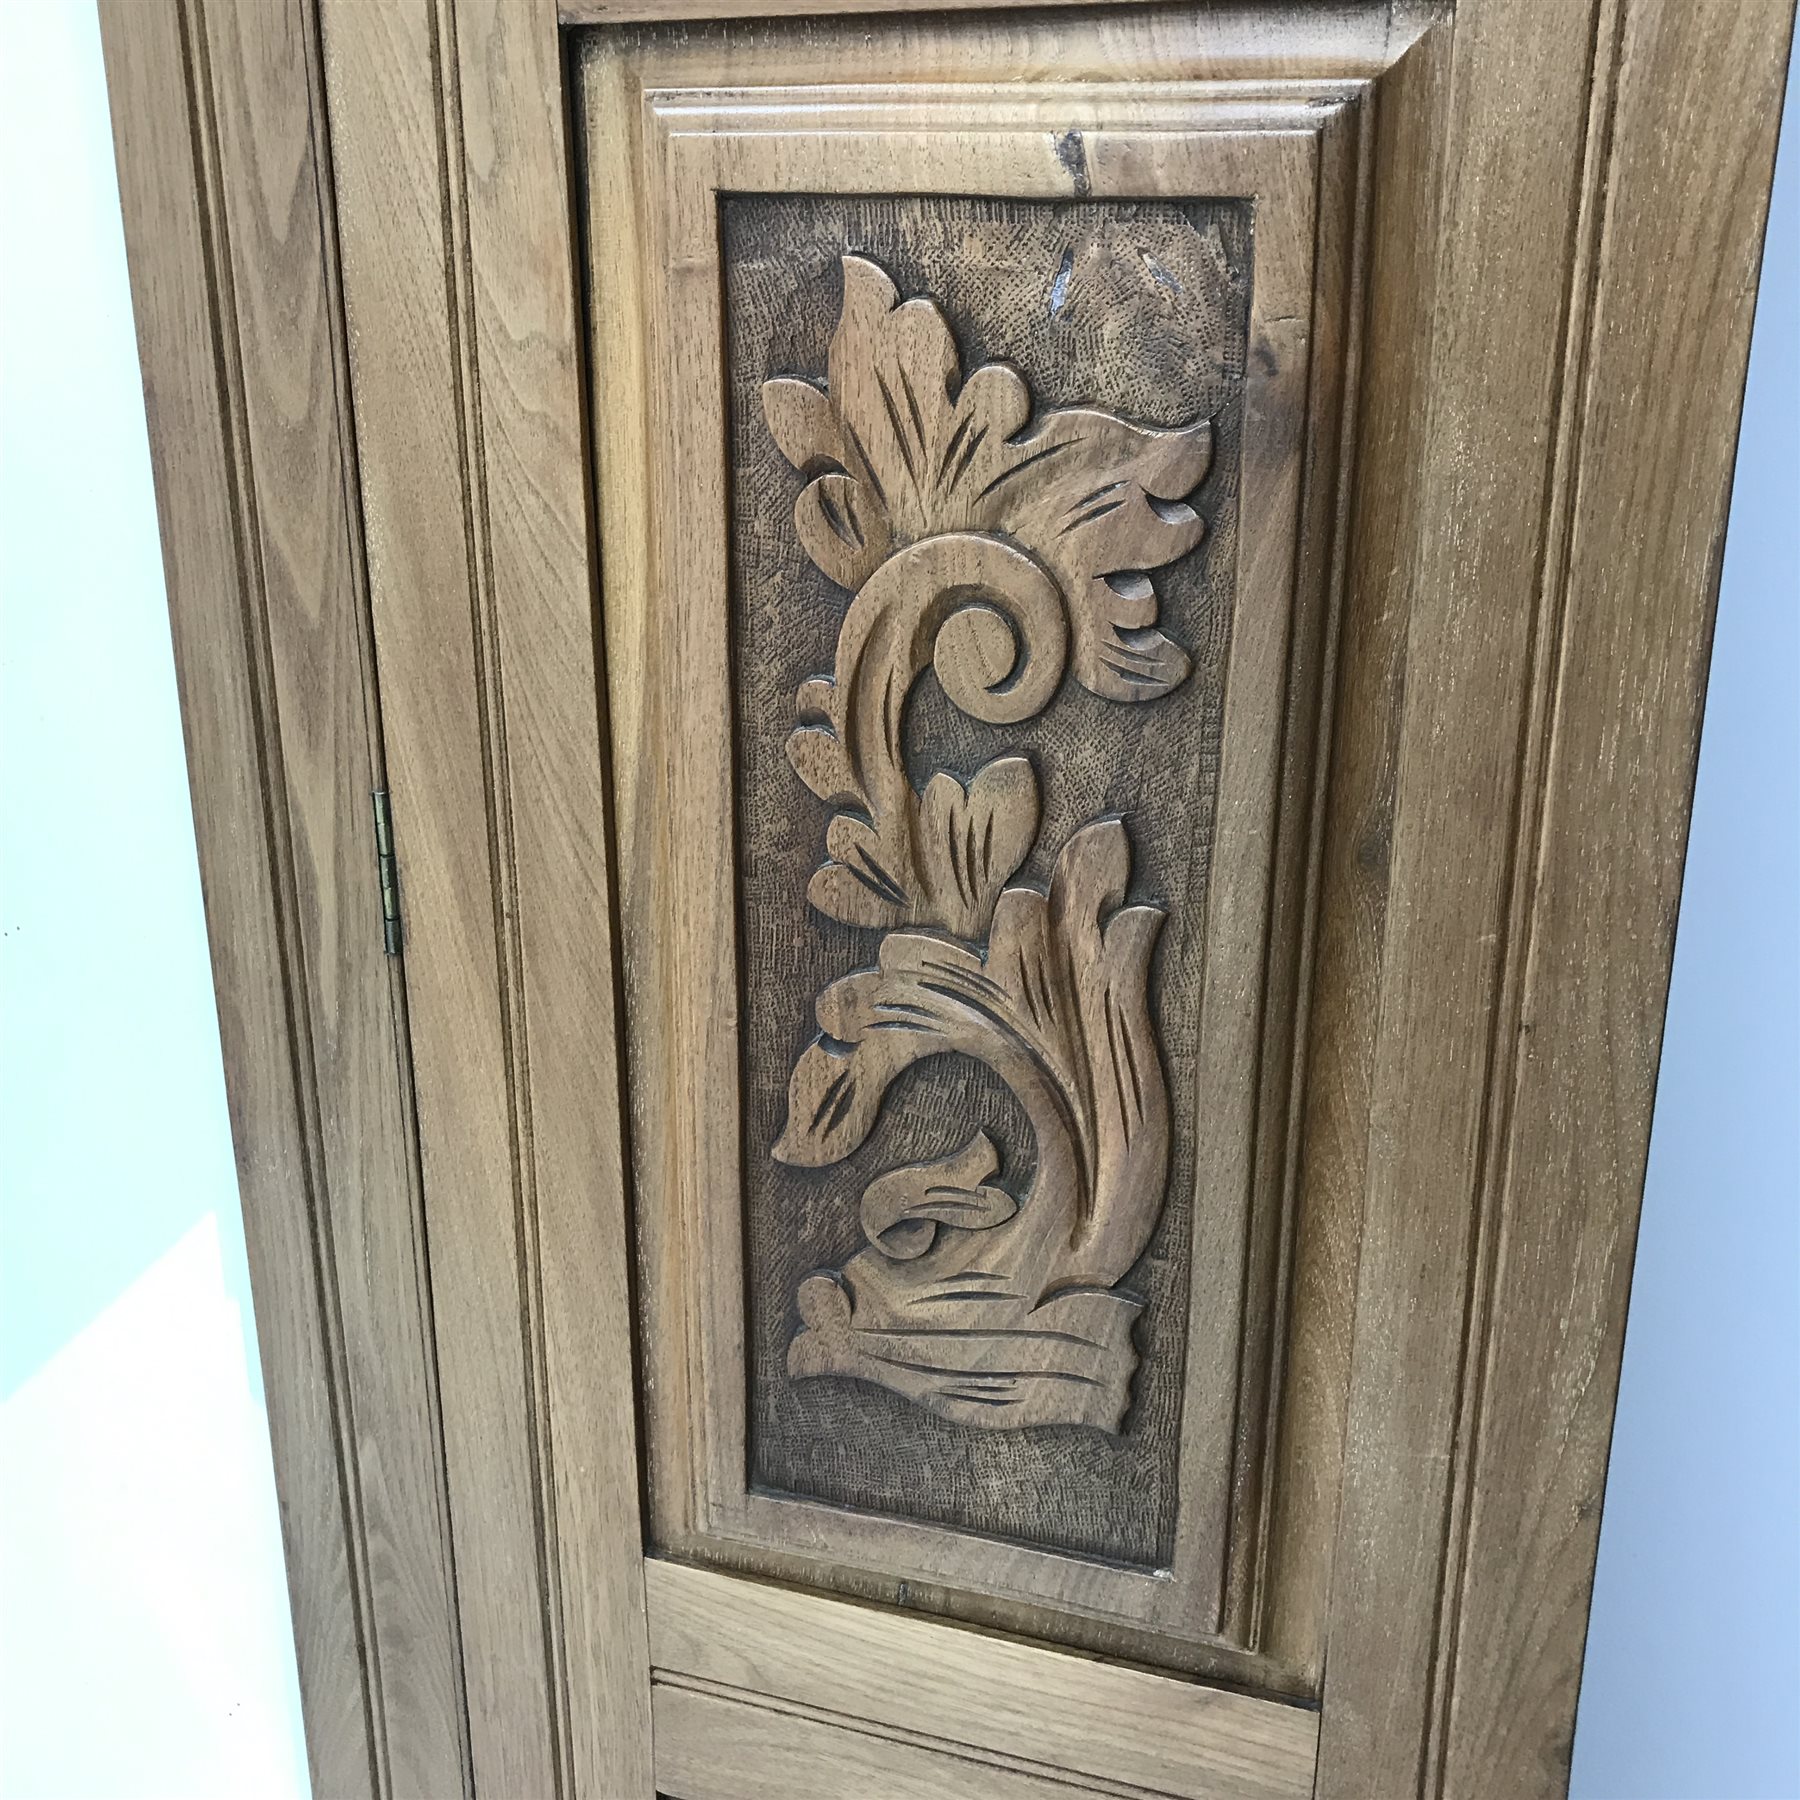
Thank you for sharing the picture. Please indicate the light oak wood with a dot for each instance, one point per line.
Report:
(228, 212)
(720, 1745)
(428, 565)
(1608, 776)
(716, 1746)
(534, 480)
(670, 697)
(276, 212)
(1100, 1722)
(470, 435)
(1504, 261)
(647, 12)
(1460, 915)
(1336, 35)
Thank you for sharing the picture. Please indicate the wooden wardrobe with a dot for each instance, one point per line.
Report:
(941, 760)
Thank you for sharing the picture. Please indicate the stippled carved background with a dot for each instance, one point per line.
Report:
(1139, 308)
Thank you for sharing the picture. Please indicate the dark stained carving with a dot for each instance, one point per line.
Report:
(983, 549)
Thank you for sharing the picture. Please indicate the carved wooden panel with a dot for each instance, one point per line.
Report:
(1363, 1191)
(969, 1221)
(969, 543)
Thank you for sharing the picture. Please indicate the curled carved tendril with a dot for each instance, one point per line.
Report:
(994, 552)
(989, 619)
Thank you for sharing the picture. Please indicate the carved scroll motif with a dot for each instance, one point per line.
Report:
(998, 552)
(992, 552)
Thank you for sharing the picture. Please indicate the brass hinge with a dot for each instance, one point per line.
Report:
(387, 870)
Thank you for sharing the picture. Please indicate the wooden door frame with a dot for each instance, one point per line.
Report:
(468, 1594)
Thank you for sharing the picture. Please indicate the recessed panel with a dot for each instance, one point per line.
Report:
(966, 463)
(984, 477)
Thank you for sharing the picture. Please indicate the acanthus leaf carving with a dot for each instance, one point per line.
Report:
(991, 1313)
(960, 602)
(898, 451)
(995, 553)
(1001, 553)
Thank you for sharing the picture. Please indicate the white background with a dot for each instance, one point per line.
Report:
(145, 1646)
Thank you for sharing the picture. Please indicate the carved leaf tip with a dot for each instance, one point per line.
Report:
(802, 421)
(1087, 899)
(973, 840)
(838, 1084)
(962, 846)
(898, 447)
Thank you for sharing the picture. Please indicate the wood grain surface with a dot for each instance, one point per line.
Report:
(677, 811)
(1609, 774)
(714, 1746)
(1487, 578)
(1480, 416)
(1092, 1721)
(459, 286)
(1115, 342)
(228, 208)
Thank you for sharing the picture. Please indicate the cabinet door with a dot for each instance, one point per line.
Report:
(1037, 669)
(965, 667)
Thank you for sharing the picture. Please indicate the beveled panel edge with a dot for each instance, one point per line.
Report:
(1291, 1669)
(1259, 651)
(1362, 40)
(1282, 1468)
(1118, 45)
(879, 1545)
